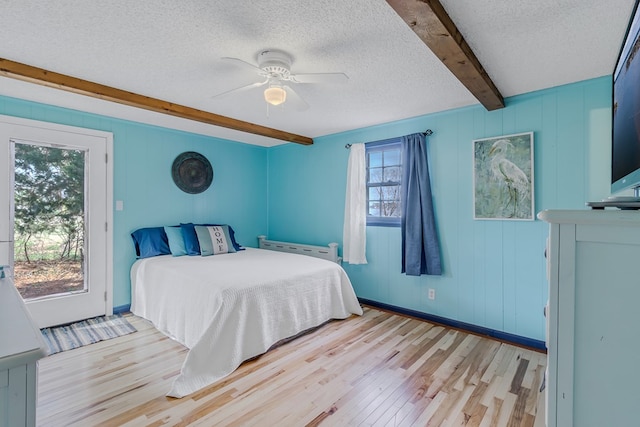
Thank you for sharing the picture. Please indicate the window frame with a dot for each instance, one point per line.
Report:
(380, 146)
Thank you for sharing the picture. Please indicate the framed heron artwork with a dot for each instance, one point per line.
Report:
(503, 177)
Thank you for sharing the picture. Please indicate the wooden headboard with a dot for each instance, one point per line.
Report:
(329, 252)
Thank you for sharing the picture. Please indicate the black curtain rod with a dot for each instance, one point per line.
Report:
(427, 132)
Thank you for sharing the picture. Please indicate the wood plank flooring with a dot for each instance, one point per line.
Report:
(379, 369)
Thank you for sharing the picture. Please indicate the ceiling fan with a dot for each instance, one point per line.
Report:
(274, 69)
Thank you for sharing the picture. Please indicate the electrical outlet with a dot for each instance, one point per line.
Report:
(432, 294)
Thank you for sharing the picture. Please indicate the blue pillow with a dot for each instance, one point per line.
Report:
(214, 239)
(236, 245)
(176, 242)
(190, 238)
(150, 241)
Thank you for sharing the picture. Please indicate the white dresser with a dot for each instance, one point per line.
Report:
(21, 346)
(594, 318)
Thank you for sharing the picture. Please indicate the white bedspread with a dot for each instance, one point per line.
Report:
(232, 307)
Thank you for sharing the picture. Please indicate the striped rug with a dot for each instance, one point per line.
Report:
(67, 337)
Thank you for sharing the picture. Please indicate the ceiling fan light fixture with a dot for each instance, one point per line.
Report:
(275, 95)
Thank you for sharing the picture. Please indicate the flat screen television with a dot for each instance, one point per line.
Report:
(625, 153)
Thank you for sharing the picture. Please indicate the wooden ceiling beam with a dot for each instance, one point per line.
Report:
(44, 77)
(430, 21)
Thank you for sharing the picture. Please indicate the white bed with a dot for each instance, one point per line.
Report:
(231, 307)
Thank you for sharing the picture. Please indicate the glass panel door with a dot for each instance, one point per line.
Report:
(49, 220)
(54, 216)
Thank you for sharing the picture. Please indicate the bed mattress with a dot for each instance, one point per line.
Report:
(231, 307)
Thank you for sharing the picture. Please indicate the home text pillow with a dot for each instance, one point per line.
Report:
(232, 234)
(150, 241)
(176, 242)
(214, 239)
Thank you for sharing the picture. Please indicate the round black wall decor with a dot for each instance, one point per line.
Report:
(192, 172)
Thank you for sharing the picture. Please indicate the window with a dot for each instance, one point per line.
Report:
(384, 177)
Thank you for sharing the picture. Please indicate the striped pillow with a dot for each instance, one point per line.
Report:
(214, 239)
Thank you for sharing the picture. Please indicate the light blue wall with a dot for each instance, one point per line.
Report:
(142, 180)
(494, 270)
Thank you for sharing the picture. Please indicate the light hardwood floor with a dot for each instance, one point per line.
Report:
(379, 369)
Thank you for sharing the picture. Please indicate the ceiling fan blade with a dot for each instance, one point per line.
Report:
(295, 100)
(240, 89)
(319, 78)
(242, 63)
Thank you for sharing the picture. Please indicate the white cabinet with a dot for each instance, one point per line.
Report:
(21, 346)
(594, 318)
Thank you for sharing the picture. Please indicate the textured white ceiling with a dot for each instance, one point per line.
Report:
(171, 50)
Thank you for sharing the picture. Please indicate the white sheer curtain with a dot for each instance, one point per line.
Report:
(354, 233)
